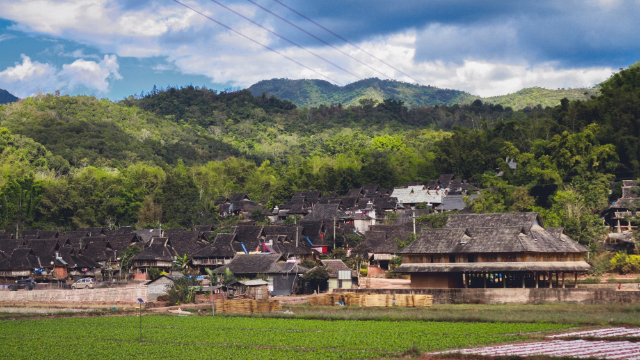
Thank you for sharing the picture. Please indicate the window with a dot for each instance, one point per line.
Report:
(339, 284)
(471, 258)
(452, 258)
(490, 258)
(434, 259)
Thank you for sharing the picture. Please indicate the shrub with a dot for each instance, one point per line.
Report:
(364, 272)
(624, 264)
(591, 280)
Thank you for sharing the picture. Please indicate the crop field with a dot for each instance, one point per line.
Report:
(117, 337)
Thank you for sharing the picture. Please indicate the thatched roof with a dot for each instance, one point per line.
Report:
(578, 266)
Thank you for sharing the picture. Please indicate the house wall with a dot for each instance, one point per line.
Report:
(157, 288)
(60, 272)
(107, 296)
(436, 280)
(361, 225)
(493, 257)
(334, 284)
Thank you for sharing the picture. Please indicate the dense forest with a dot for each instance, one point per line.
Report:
(167, 156)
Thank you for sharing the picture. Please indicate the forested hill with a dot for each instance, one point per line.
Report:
(313, 93)
(6, 97)
(532, 97)
(76, 161)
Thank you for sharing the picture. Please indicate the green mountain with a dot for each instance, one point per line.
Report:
(313, 93)
(6, 97)
(532, 97)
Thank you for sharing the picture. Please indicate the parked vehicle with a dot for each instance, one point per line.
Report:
(86, 283)
(27, 284)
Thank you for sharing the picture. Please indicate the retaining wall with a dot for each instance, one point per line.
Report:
(515, 296)
(115, 295)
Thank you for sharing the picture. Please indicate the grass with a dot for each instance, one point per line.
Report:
(581, 314)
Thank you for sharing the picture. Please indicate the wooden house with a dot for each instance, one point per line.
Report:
(217, 254)
(340, 275)
(157, 254)
(283, 277)
(492, 250)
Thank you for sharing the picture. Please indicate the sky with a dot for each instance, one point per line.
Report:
(118, 48)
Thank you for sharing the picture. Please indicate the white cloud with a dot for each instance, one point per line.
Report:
(27, 78)
(492, 61)
(5, 37)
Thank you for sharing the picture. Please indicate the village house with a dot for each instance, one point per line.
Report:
(283, 277)
(340, 275)
(157, 254)
(492, 250)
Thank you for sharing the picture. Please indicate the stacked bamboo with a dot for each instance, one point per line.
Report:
(371, 300)
(247, 307)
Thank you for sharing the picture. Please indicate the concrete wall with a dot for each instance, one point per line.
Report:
(516, 296)
(158, 287)
(107, 296)
(333, 284)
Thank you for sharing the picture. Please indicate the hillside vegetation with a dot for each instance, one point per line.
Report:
(532, 97)
(167, 156)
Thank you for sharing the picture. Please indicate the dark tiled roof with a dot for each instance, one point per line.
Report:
(158, 249)
(122, 241)
(247, 235)
(325, 212)
(523, 220)
(491, 240)
(121, 230)
(95, 231)
(254, 264)
(221, 248)
(21, 259)
(147, 234)
(454, 202)
(334, 265)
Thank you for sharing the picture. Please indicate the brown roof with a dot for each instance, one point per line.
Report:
(491, 240)
(158, 249)
(334, 265)
(579, 266)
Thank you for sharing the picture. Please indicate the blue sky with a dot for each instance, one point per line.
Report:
(116, 48)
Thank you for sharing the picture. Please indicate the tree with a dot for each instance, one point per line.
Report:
(126, 257)
(316, 276)
(213, 281)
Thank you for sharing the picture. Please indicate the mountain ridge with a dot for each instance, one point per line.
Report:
(6, 97)
(313, 93)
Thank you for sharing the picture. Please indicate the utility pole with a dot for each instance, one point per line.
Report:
(296, 223)
(414, 222)
(334, 233)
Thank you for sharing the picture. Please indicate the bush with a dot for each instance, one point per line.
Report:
(364, 272)
(183, 290)
(601, 264)
(591, 280)
(624, 264)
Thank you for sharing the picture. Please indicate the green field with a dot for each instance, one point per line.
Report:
(117, 337)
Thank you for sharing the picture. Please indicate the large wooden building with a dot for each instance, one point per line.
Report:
(492, 250)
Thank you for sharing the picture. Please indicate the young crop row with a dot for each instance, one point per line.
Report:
(239, 337)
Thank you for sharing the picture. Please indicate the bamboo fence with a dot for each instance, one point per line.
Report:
(247, 307)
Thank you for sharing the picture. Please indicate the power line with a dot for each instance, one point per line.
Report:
(317, 38)
(348, 42)
(287, 40)
(255, 41)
